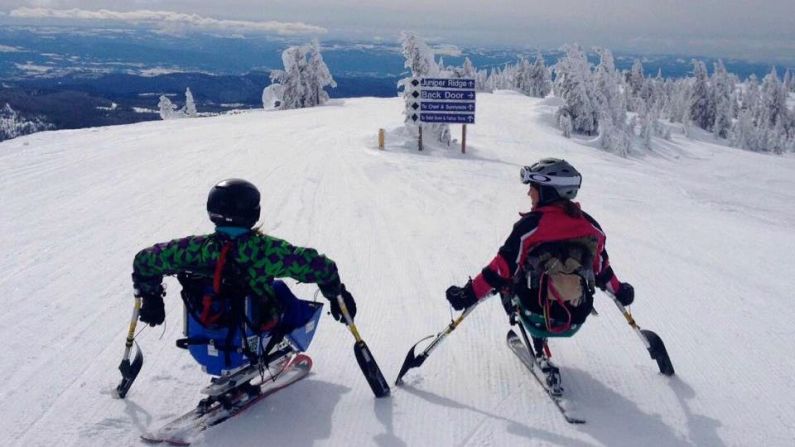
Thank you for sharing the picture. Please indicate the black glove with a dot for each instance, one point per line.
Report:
(153, 310)
(625, 293)
(507, 303)
(350, 304)
(461, 297)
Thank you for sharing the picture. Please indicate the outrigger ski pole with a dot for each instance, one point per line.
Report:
(651, 340)
(415, 361)
(365, 358)
(129, 371)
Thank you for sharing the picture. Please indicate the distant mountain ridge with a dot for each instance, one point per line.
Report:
(79, 77)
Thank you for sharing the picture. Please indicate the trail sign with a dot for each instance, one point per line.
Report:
(450, 118)
(451, 100)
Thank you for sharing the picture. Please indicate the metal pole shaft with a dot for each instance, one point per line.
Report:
(131, 333)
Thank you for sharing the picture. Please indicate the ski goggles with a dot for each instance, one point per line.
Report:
(530, 175)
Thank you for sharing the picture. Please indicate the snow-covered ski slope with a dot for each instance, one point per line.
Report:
(703, 231)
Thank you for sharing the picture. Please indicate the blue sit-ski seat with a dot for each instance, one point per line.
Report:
(222, 353)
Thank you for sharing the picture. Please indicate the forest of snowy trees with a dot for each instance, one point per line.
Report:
(13, 125)
(624, 110)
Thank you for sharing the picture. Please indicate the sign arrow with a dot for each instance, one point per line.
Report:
(415, 106)
(415, 93)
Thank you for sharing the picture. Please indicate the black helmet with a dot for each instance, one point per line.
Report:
(555, 179)
(234, 202)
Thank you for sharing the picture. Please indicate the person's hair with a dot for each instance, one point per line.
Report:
(570, 208)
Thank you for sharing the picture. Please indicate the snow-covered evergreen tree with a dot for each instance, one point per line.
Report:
(702, 107)
(522, 81)
(482, 81)
(540, 82)
(636, 78)
(190, 105)
(167, 109)
(318, 75)
(304, 77)
(13, 125)
(788, 81)
(574, 85)
(723, 98)
(614, 134)
(744, 133)
(419, 57)
(764, 123)
(292, 78)
(678, 104)
(468, 70)
(773, 101)
(419, 60)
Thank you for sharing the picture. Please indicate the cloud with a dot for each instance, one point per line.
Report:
(447, 50)
(169, 19)
(8, 49)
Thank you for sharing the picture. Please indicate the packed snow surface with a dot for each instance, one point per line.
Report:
(703, 232)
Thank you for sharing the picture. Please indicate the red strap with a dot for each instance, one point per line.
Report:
(207, 300)
(219, 266)
(205, 318)
(546, 305)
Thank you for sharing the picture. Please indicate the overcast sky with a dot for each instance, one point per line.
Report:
(760, 29)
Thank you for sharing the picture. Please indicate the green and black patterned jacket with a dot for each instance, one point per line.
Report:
(260, 257)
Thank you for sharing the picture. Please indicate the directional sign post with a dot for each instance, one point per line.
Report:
(442, 100)
(413, 106)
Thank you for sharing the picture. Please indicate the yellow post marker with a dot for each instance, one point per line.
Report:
(381, 139)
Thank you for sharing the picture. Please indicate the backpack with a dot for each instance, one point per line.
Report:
(561, 282)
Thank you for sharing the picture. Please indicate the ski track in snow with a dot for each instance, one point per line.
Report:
(702, 231)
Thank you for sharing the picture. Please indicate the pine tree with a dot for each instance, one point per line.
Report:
(574, 85)
(702, 107)
(678, 107)
(540, 83)
(292, 78)
(190, 105)
(744, 133)
(615, 135)
(167, 109)
(468, 70)
(522, 81)
(318, 76)
(773, 100)
(419, 59)
(303, 79)
(722, 94)
(636, 78)
(788, 81)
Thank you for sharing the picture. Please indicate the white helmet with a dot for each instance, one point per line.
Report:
(555, 179)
